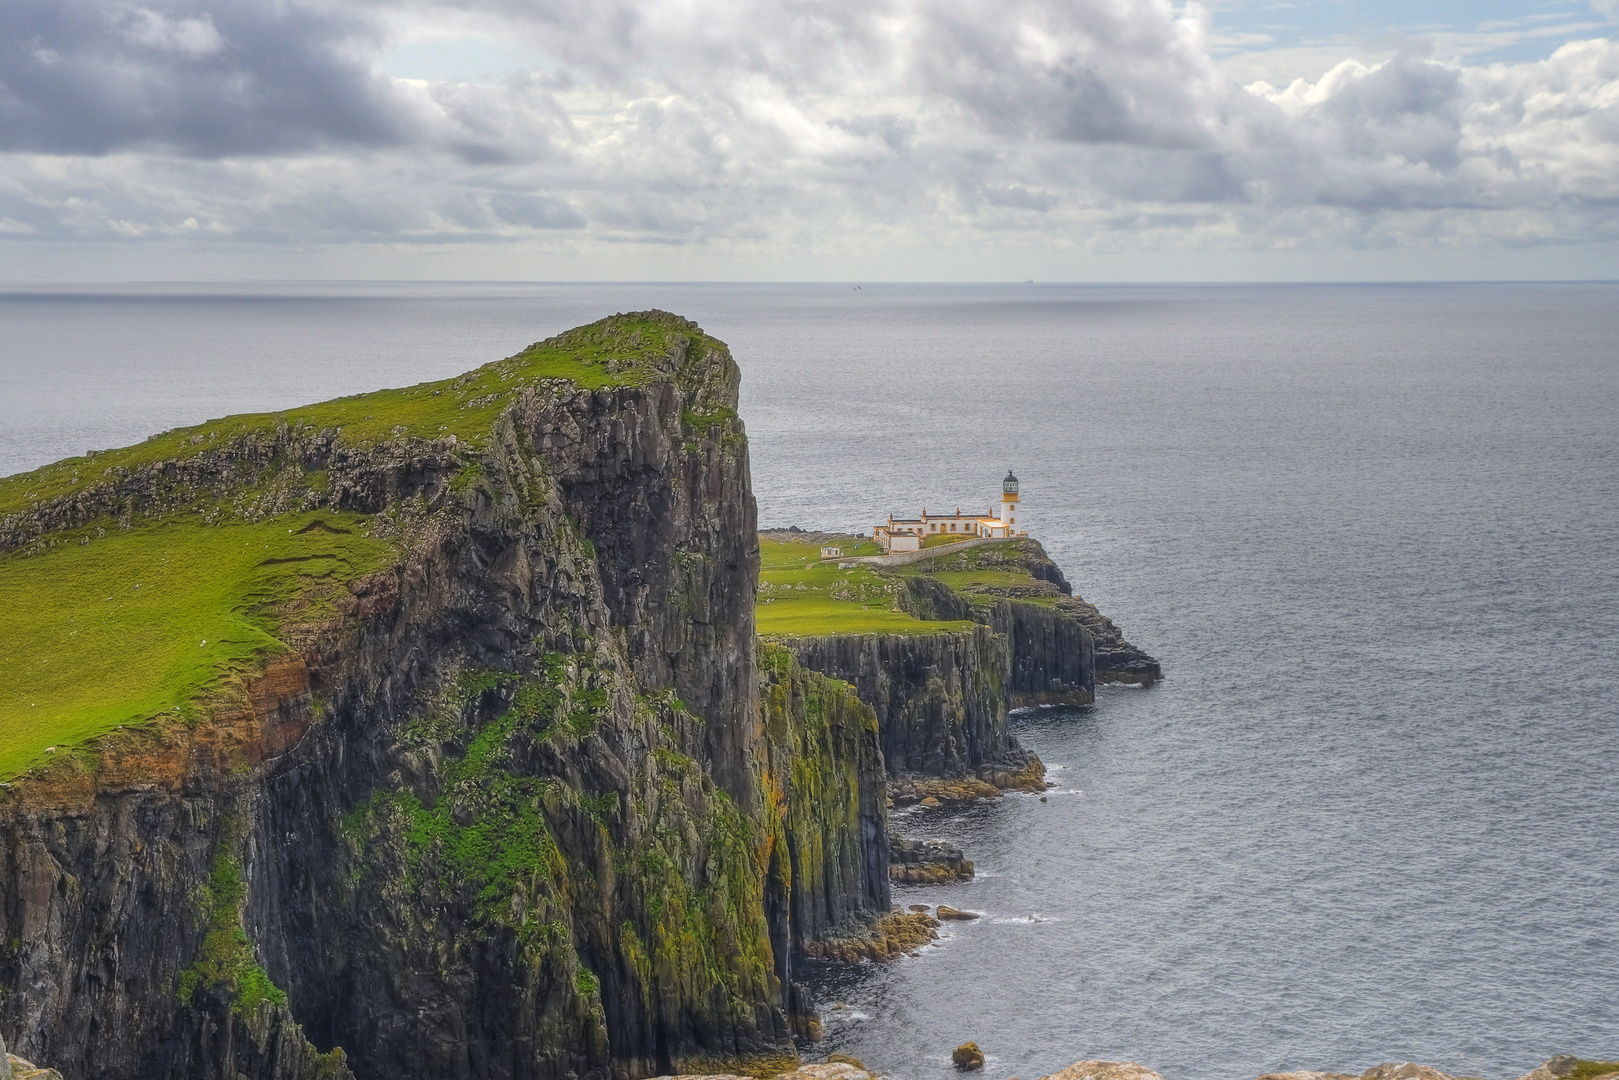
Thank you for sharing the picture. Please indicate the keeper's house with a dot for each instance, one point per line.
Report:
(907, 534)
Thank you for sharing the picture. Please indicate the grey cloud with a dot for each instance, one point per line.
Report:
(82, 77)
(536, 211)
(1106, 71)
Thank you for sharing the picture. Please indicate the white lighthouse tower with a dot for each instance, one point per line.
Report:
(1009, 503)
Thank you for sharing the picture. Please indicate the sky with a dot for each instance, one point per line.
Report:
(809, 140)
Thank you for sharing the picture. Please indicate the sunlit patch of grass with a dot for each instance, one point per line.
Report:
(1589, 1070)
(800, 595)
(945, 539)
(134, 625)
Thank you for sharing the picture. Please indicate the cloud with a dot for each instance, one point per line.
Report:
(777, 125)
(78, 77)
(193, 37)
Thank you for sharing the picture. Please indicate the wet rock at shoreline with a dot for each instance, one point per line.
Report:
(1104, 1070)
(944, 911)
(1025, 773)
(1407, 1070)
(967, 1057)
(926, 862)
(1553, 1068)
(847, 1069)
(883, 938)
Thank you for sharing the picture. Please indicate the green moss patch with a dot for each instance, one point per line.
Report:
(802, 595)
(1589, 1070)
(129, 626)
(226, 964)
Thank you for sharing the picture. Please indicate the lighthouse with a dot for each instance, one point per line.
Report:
(1009, 501)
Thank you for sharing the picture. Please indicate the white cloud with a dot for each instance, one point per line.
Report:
(780, 126)
(192, 37)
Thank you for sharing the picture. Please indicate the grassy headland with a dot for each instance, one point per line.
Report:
(613, 352)
(142, 606)
(802, 595)
(134, 624)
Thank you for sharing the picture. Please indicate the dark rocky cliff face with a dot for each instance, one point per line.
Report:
(942, 698)
(510, 816)
(939, 698)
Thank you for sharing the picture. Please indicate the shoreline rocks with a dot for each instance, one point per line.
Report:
(883, 938)
(926, 862)
(1028, 775)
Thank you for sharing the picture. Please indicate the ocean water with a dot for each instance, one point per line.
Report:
(1370, 531)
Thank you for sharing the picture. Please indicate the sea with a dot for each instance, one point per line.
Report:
(1370, 531)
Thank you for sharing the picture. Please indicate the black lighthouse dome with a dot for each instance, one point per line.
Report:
(1009, 485)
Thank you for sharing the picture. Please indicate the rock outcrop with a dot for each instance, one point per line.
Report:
(1104, 1070)
(883, 938)
(926, 862)
(942, 698)
(967, 1057)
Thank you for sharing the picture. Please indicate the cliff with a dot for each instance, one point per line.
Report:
(470, 776)
(942, 649)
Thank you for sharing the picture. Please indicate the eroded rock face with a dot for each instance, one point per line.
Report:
(941, 709)
(826, 773)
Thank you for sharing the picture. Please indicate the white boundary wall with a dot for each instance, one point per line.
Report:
(905, 558)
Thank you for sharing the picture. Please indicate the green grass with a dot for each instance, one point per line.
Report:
(1586, 1070)
(945, 539)
(801, 596)
(613, 352)
(133, 625)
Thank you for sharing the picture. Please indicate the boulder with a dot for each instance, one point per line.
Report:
(1104, 1070)
(1553, 1068)
(846, 1059)
(967, 1056)
(19, 1069)
(946, 912)
(1403, 1071)
(832, 1070)
(1307, 1074)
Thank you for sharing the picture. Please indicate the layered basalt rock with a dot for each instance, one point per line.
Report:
(926, 862)
(939, 698)
(512, 813)
(824, 774)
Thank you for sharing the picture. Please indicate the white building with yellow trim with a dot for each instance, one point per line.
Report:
(907, 534)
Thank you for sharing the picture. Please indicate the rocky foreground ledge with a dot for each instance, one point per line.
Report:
(842, 1067)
